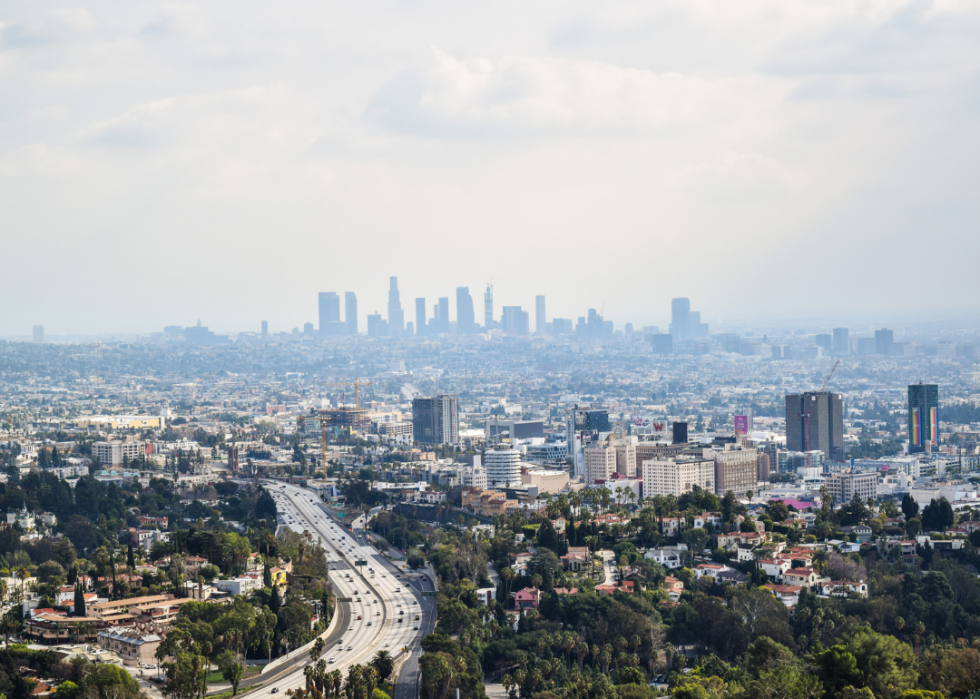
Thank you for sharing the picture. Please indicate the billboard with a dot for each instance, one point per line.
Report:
(742, 424)
(654, 426)
(916, 436)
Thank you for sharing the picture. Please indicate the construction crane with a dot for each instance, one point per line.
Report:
(356, 383)
(806, 413)
(829, 376)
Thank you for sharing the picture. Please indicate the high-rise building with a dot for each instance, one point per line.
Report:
(626, 460)
(680, 318)
(420, 328)
(265, 330)
(436, 420)
(846, 483)
(329, 312)
(465, 315)
(679, 432)
(540, 319)
(884, 340)
(824, 341)
(815, 421)
(736, 470)
(923, 417)
(396, 316)
(503, 466)
(600, 462)
(488, 308)
(515, 321)
(39, 334)
(350, 311)
(377, 326)
(677, 476)
(842, 341)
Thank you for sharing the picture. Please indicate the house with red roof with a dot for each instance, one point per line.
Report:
(528, 598)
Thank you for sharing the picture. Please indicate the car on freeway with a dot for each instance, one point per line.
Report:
(350, 647)
(332, 660)
(275, 690)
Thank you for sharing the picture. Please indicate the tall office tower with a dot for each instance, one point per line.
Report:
(842, 342)
(436, 420)
(923, 417)
(329, 312)
(350, 312)
(377, 326)
(503, 466)
(824, 341)
(515, 321)
(39, 334)
(540, 319)
(420, 328)
(488, 308)
(679, 432)
(465, 314)
(396, 316)
(884, 339)
(265, 330)
(440, 317)
(680, 318)
(815, 421)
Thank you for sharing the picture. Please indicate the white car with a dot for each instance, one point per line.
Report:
(332, 660)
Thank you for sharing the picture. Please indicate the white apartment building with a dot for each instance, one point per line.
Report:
(112, 453)
(503, 466)
(845, 484)
(676, 477)
(600, 462)
(475, 476)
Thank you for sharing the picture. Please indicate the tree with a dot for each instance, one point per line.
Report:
(79, 599)
(232, 669)
(910, 508)
(383, 663)
(785, 681)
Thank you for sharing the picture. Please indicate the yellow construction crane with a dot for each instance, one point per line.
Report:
(356, 383)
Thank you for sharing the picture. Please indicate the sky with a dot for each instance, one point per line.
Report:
(162, 163)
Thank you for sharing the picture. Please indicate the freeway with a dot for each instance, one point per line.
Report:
(377, 609)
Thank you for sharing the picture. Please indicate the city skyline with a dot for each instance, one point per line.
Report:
(749, 146)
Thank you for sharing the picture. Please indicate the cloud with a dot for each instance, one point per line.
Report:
(521, 95)
(177, 19)
(54, 26)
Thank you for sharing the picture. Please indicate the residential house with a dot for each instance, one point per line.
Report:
(787, 594)
(712, 569)
(528, 598)
(136, 645)
(674, 588)
(804, 577)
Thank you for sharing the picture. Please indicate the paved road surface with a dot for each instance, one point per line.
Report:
(383, 595)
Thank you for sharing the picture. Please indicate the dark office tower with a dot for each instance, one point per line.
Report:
(540, 319)
(884, 339)
(465, 315)
(420, 328)
(842, 341)
(396, 316)
(329, 312)
(679, 430)
(923, 417)
(680, 318)
(350, 311)
(815, 421)
(436, 420)
(265, 330)
(824, 342)
(488, 308)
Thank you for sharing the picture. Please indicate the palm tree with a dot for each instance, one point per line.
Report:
(7, 626)
(383, 663)
(370, 678)
(23, 573)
